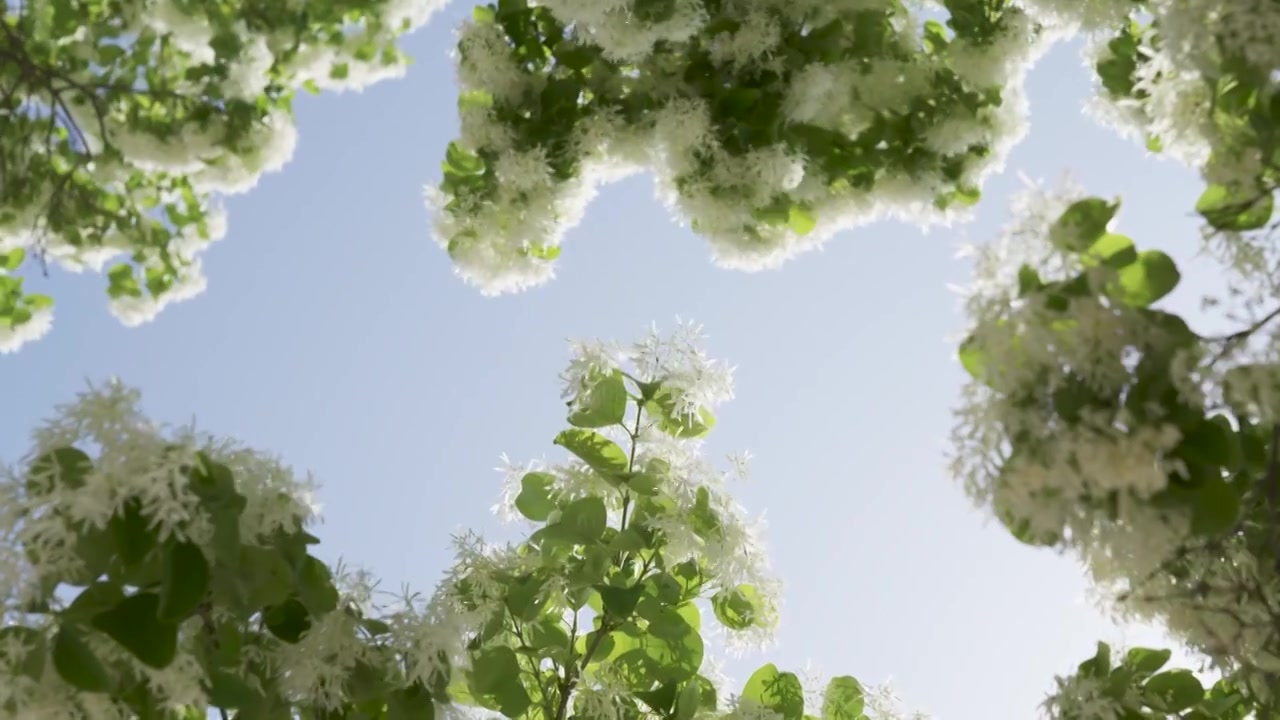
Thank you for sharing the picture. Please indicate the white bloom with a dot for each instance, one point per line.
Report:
(12, 338)
(249, 73)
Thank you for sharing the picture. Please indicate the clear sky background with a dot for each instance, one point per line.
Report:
(335, 334)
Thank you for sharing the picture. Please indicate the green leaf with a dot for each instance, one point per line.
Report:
(666, 623)
(1082, 224)
(800, 220)
(229, 691)
(619, 602)
(660, 700)
(265, 575)
(411, 703)
(671, 421)
(1173, 691)
(215, 485)
(654, 11)
(375, 627)
(11, 260)
(973, 358)
(67, 466)
(1028, 281)
(38, 301)
(534, 500)
(702, 517)
(549, 635)
(736, 608)
(462, 161)
(589, 568)
(30, 661)
(1152, 277)
(93, 600)
(365, 683)
(575, 56)
(1099, 665)
(1236, 211)
(544, 252)
(76, 664)
(94, 548)
(185, 581)
(629, 540)
(495, 679)
(134, 624)
(288, 620)
(1146, 660)
(1215, 509)
(843, 699)
(582, 521)
(780, 692)
(597, 451)
(688, 701)
(1211, 441)
(1112, 250)
(315, 587)
(525, 599)
(603, 404)
(134, 538)
(643, 483)
(708, 701)
(645, 658)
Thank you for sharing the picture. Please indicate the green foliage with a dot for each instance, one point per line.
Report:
(571, 78)
(780, 692)
(127, 120)
(534, 500)
(843, 699)
(1235, 211)
(1082, 224)
(240, 594)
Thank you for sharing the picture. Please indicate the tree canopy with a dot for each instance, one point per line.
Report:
(148, 572)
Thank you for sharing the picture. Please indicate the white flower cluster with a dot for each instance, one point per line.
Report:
(735, 555)
(756, 205)
(132, 459)
(1083, 697)
(13, 337)
(175, 142)
(1180, 58)
(1083, 484)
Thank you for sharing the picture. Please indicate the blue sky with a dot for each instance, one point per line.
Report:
(335, 334)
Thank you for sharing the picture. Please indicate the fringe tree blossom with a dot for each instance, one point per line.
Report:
(662, 440)
(770, 126)
(1196, 80)
(126, 122)
(146, 569)
(1097, 424)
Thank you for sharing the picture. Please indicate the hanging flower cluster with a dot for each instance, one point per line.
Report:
(770, 125)
(170, 571)
(126, 120)
(1100, 424)
(1196, 80)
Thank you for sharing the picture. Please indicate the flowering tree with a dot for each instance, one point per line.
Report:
(170, 573)
(770, 125)
(124, 122)
(1100, 424)
(1096, 421)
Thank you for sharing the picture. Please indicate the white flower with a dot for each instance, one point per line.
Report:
(13, 337)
